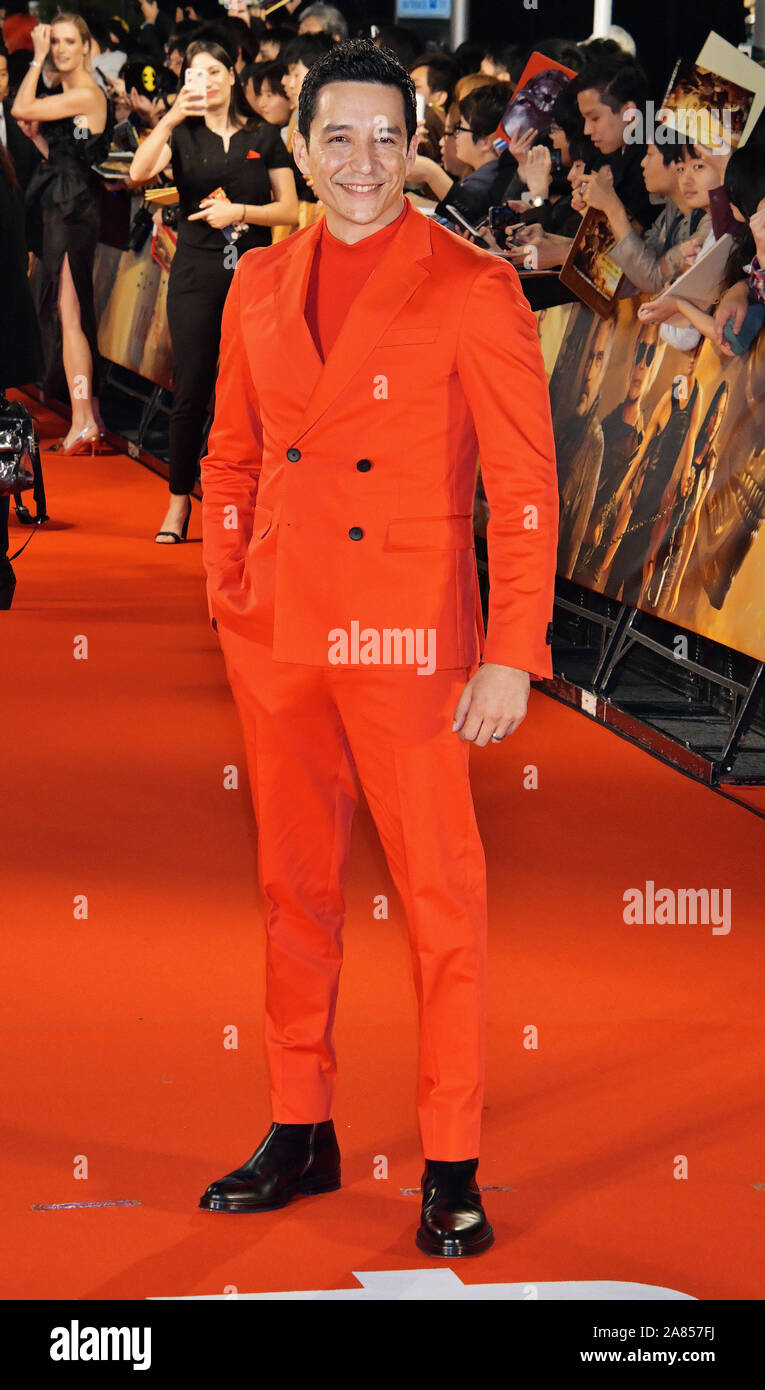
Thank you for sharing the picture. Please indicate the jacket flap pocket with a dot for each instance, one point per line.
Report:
(261, 520)
(429, 533)
(413, 333)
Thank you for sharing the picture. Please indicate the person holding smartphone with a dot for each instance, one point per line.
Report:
(480, 114)
(235, 182)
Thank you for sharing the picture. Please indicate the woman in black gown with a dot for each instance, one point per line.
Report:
(73, 133)
(217, 145)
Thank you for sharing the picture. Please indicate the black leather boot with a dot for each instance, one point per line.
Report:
(292, 1160)
(453, 1219)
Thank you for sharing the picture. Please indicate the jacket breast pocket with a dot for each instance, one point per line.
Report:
(429, 533)
(409, 335)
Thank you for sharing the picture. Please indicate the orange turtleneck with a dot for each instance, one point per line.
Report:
(337, 274)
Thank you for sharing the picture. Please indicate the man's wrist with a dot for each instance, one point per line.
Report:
(518, 670)
(617, 214)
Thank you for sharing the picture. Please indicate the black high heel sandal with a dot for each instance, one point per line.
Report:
(176, 538)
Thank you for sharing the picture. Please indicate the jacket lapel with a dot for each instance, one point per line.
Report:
(305, 364)
(392, 282)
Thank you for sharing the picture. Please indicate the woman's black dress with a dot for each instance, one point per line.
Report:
(20, 355)
(68, 192)
(203, 268)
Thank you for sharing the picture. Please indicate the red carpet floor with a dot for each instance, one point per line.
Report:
(651, 1043)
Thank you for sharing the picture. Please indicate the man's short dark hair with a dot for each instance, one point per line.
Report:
(257, 73)
(357, 60)
(502, 53)
(306, 49)
(405, 43)
(564, 51)
(566, 113)
(484, 108)
(180, 35)
(468, 57)
(241, 36)
(674, 150)
(280, 34)
(617, 82)
(442, 72)
(595, 50)
(99, 30)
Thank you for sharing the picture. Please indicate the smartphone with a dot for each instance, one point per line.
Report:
(457, 216)
(420, 104)
(502, 216)
(753, 321)
(196, 82)
(512, 235)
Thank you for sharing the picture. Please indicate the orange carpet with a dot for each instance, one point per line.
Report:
(751, 796)
(117, 1085)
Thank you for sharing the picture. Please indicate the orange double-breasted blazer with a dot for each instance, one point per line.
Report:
(343, 490)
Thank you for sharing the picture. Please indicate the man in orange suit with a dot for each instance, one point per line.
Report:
(365, 363)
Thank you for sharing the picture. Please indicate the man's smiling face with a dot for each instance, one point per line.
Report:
(358, 157)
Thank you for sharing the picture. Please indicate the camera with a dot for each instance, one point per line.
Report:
(140, 230)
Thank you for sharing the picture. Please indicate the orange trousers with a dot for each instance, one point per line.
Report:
(311, 735)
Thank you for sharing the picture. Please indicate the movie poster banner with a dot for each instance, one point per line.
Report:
(131, 309)
(661, 470)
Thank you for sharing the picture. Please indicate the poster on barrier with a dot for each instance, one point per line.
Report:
(661, 471)
(588, 269)
(531, 104)
(131, 307)
(716, 101)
